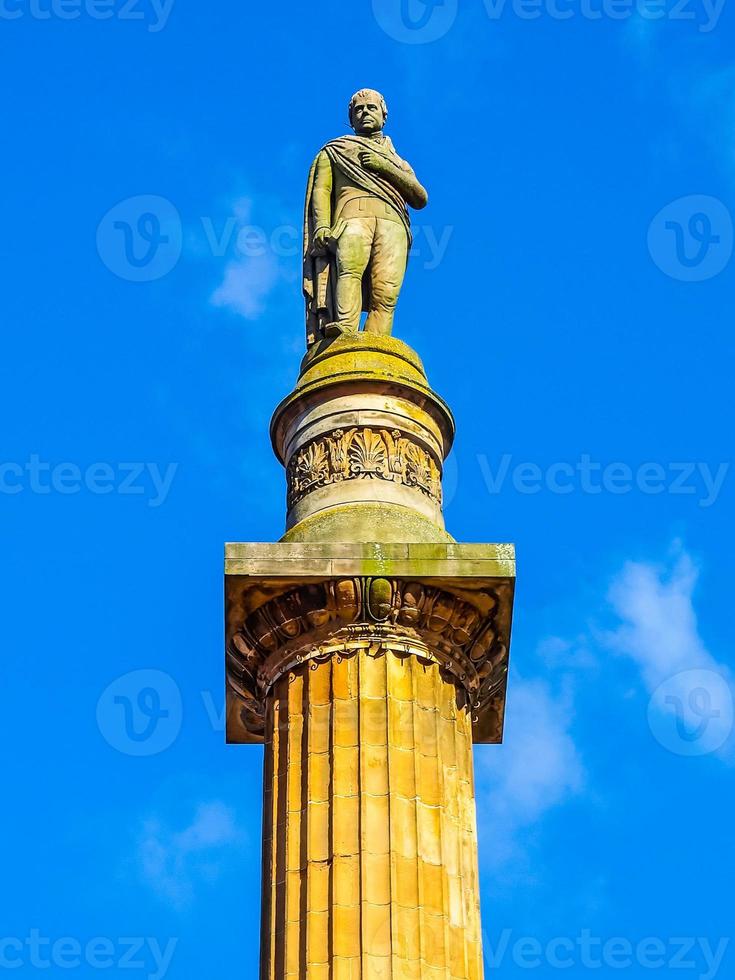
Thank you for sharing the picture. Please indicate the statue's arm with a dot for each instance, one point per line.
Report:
(400, 176)
(321, 195)
(407, 184)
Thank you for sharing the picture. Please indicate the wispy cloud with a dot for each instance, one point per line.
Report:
(537, 768)
(652, 623)
(252, 274)
(658, 630)
(174, 863)
(690, 76)
(658, 627)
(711, 104)
(246, 285)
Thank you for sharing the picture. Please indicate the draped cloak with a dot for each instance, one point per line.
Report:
(320, 273)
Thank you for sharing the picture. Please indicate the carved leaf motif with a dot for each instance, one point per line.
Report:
(395, 445)
(338, 444)
(312, 466)
(368, 453)
(418, 470)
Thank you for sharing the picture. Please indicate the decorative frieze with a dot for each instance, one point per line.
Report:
(361, 453)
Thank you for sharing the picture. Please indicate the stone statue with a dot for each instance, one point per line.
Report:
(357, 231)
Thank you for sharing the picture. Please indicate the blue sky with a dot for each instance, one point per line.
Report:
(571, 297)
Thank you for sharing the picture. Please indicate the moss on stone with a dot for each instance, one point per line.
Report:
(384, 523)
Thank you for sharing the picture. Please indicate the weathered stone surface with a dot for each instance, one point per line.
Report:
(367, 520)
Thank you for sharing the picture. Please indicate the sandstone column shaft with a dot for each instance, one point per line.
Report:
(369, 844)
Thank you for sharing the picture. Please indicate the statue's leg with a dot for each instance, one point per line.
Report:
(387, 269)
(353, 255)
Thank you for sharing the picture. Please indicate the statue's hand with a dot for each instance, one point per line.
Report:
(321, 240)
(372, 160)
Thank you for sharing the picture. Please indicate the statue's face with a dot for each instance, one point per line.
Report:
(367, 115)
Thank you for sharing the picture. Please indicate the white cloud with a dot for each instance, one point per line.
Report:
(658, 627)
(175, 862)
(247, 283)
(261, 259)
(537, 768)
(691, 709)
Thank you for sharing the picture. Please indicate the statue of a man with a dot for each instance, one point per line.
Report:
(357, 232)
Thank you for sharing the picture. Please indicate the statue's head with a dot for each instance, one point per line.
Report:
(368, 111)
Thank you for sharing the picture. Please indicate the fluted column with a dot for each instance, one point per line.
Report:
(370, 849)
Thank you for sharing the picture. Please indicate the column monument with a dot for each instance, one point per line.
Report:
(367, 650)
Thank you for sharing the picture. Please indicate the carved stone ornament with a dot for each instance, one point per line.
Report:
(362, 453)
(338, 617)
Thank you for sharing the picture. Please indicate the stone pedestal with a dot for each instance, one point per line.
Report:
(367, 651)
(363, 439)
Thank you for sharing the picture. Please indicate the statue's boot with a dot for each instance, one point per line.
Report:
(337, 328)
